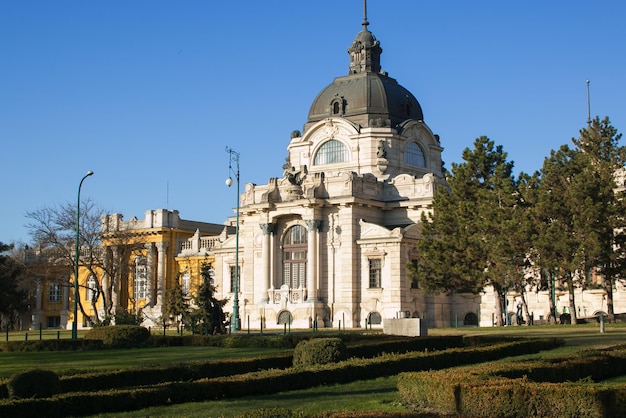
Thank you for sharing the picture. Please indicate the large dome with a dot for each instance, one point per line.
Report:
(367, 96)
(366, 99)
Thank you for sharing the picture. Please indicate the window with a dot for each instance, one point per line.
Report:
(295, 257)
(374, 318)
(54, 293)
(414, 155)
(331, 152)
(186, 279)
(414, 282)
(375, 266)
(92, 289)
(53, 321)
(141, 277)
(284, 317)
(233, 275)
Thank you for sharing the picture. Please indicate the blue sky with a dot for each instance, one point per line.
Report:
(148, 94)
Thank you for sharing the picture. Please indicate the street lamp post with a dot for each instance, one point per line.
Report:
(235, 324)
(76, 255)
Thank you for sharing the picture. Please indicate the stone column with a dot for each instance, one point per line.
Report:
(311, 270)
(149, 273)
(160, 291)
(267, 229)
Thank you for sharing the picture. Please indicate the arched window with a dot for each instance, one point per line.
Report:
(374, 318)
(414, 155)
(284, 317)
(141, 277)
(294, 257)
(470, 319)
(336, 108)
(331, 152)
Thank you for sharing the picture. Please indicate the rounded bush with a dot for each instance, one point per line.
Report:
(34, 383)
(319, 351)
(120, 336)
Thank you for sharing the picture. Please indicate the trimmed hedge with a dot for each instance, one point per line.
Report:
(119, 336)
(261, 382)
(34, 383)
(319, 351)
(523, 389)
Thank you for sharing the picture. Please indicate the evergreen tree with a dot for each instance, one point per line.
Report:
(209, 313)
(176, 305)
(605, 158)
(580, 216)
(472, 238)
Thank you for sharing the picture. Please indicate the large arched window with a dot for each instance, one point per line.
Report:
(414, 155)
(331, 152)
(294, 257)
(141, 277)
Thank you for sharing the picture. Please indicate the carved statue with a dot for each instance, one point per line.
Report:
(296, 177)
(381, 153)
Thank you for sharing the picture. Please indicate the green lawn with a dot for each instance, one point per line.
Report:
(380, 395)
(374, 395)
(75, 361)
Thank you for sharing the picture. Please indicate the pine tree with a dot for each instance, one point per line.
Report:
(470, 240)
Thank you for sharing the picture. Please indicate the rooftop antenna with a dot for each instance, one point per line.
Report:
(588, 106)
(167, 194)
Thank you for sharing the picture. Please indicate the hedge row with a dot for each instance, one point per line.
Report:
(142, 376)
(541, 388)
(262, 382)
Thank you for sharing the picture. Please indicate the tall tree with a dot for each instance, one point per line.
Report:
(580, 215)
(176, 305)
(604, 161)
(53, 232)
(468, 242)
(558, 243)
(13, 297)
(209, 309)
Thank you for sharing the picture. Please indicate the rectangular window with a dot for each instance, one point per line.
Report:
(186, 284)
(53, 322)
(141, 277)
(54, 293)
(233, 274)
(414, 282)
(375, 266)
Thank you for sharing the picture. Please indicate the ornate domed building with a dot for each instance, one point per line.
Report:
(328, 243)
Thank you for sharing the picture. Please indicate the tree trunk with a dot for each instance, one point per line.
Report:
(549, 278)
(572, 301)
(608, 287)
(499, 306)
(525, 307)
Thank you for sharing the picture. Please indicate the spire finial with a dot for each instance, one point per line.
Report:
(365, 23)
(588, 106)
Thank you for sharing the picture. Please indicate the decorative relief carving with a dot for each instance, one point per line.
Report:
(330, 129)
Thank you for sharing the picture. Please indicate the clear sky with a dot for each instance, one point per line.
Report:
(149, 93)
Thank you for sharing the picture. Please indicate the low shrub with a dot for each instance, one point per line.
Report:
(34, 383)
(119, 336)
(319, 351)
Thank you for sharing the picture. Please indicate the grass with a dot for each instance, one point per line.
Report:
(378, 395)
(66, 362)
